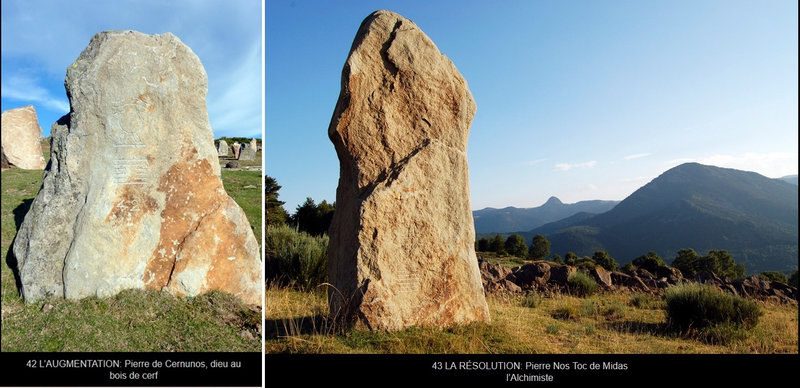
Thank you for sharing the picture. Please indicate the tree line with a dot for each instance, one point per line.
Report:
(310, 217)
(688, 261)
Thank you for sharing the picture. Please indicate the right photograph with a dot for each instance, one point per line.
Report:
(519, 178)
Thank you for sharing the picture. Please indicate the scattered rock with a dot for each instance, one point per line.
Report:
(602, 277)
(21, 136)
(531, 276)
(402, 238)
(132, 197)
(232, 164)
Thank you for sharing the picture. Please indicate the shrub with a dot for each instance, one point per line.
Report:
(531, 300)
(651, 261)
(566, 312)
(793, 279)
(693, 305)
(774, 276)
(603, 259)
(629, 269)
(613, 310)
(719, 262)
(580, 284)
(295, 258)
(646, 301)
(556, 258)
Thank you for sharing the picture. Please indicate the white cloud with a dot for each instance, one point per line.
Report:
(28, 90)
(636, 156)
(770, 164)
(570, 166)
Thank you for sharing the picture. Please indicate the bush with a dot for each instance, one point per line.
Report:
(774, 276)
(719, 262)
(629, 269)
(693, 305)
(603, 259)
(531, 300)
(580, 284)
(645, 301)
(793, 279)
(651, 261)
(295, 258)
(566, 312)
(556, 258)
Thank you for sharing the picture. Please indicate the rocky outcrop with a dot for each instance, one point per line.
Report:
(21, 136)
(551, 277)
(402, 238)
(133, 197)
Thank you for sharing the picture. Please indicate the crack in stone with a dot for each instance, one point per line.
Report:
(183, 240)
(387, 63)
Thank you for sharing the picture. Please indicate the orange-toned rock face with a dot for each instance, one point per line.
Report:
(21, 138)
(401, 247)
(133, 197)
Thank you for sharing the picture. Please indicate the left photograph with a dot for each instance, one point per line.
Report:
(131, 176)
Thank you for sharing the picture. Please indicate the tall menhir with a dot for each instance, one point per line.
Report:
(402, 239)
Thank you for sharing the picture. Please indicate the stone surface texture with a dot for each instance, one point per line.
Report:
(22, 135)
(120, 206)
(222, 148)
(402, 238)
(4, 162)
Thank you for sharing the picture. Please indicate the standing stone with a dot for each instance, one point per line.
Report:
(236, 147)
(222, 148)
(120, 205)
(402, 238)
(22, 135)
(248, 152)
(254, 144)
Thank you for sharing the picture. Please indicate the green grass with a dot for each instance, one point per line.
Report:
(133, 320)
(296, 322)
(245, 188)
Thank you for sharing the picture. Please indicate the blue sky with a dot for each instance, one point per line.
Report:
(40, 39)
(576, 99)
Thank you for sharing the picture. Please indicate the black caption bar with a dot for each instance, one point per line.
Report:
(131, 369)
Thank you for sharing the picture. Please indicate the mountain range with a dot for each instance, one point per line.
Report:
(512, 219)
(753, 217)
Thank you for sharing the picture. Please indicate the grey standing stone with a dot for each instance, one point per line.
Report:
(222, 148)
(120, 205)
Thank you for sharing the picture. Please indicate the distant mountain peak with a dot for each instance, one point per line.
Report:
(553, 201)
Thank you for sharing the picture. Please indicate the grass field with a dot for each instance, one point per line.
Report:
(604, 323)
(132, 320)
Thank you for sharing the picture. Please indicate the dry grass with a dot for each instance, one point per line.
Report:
(603, 323)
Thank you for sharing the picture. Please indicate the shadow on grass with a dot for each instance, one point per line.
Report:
(635, 327)
(11, 260)
(21, 210)
(290, 327)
